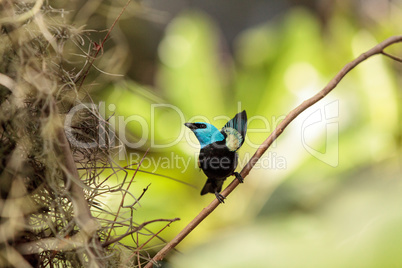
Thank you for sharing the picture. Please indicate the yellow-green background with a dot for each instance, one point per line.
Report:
(308, 214)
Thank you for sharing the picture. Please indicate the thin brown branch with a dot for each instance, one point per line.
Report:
(125, 193)
(391, 56)
(152, 237)
(99, 47)
(143, 171)
(378, 49)
(136, 229)
(143, 192)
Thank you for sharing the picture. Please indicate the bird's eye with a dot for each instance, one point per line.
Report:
(200, 125)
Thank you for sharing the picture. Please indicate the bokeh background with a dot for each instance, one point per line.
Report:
(328, 192)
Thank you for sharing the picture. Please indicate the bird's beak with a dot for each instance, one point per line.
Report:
(190, 126)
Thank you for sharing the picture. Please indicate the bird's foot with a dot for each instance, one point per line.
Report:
(220, 197)
(238, 177)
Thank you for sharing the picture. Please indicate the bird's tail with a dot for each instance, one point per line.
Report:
(212, 186)
(239, 123)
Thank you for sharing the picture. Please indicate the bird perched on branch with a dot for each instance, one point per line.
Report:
(218, 158)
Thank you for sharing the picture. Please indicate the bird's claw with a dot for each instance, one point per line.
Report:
(220, 197)
(238, 177)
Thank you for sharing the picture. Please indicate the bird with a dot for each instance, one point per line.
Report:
(218, 156)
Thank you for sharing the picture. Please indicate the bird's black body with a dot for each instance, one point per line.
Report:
(218, 163)
(218, 158)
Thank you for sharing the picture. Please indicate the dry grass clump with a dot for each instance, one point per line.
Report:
(50, 211)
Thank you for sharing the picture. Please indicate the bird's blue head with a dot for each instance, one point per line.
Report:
(234, 132)
(205, 133)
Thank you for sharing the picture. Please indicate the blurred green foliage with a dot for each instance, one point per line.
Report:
(337, 207)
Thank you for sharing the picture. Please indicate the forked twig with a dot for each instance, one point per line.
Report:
(99, 47)
(378, 49)
(391, 56)
(124, 196)
(136, 229)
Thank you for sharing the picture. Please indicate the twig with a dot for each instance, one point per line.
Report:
(378, 49)
(99, 47)
(152, 237)
(143, 192)
(124, 195)
(140, 170)
(391, 56)
(136, 229)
